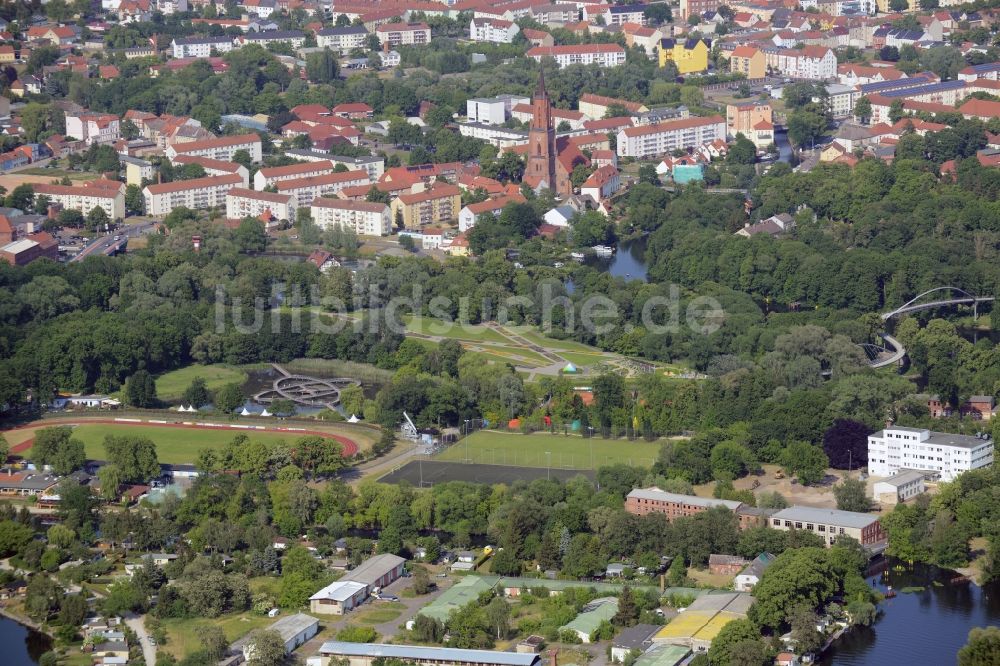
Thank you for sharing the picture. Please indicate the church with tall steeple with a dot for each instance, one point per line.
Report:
(550, 162)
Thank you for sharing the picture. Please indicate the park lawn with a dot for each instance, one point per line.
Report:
(512, 355)
(269, 584)
(534, 335)
(182, 634)
(171, 385)
(173, 445)
(580, 359)
(570, 452)
(452, 330)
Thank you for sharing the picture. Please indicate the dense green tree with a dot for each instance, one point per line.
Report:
(852, 495)
(982, 647)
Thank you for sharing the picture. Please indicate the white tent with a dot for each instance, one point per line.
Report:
(192, 408)
(181, 408)
(266, 413)
(246, 412)
(353, 419)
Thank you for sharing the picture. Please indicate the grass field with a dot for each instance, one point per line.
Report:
(173, 445)
(171, 385)
(445, 329)
(539, 338)
(379, 612)
(547, 450)
(60, 173)
(182, 634)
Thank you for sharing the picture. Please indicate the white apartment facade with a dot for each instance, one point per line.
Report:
(200, 47)
(498, 135)
(403, 34)
(242, 202)
(295, 38)
(222, 148)
(93, 128)
(111, 198)
(365, 218)
(196, 194)
(816, 63)
(896, 448)
(493, 30)
(486, 111)
(215, 167)
(660, 139)
(375, 166)
(604, 55)
(305, 190)
(274, 175)
(343, 40)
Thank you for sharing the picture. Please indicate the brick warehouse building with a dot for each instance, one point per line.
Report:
(653, 500)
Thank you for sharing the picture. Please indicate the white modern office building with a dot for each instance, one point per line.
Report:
(944, 455)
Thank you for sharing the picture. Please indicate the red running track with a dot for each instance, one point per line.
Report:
(349, 446)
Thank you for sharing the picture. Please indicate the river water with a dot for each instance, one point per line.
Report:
(21, 646)
(920, 627)
(628, 262)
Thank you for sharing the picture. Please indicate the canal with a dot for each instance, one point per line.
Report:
(21, 646)
(925, 624)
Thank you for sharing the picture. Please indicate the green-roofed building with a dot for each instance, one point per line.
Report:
(460, 594)
(667, 655)
(586, 623)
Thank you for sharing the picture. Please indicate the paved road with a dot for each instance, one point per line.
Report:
(104, 244)
(137, 624)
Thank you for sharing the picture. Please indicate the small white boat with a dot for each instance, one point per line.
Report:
(603, 250)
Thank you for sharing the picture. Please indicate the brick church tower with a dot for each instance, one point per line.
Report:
(541, 167)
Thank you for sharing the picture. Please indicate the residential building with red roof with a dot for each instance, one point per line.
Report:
(273, 175)
(749, 61)
(538, 37)
(353, 111)
(403, 34)
(604, 183)
(596, 107)
(93, 128)
(493, 30)
(439, 204)
(307, 188)
(215, 167)
(980, 108)
(196, 194)
(365, 218)
(469, 215)
(662, 138)
(242, 202)
(222, 148)
(108, 195)
(604, 55)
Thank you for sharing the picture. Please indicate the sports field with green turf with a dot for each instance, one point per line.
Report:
(171, 385)
(544, 450)
(179, 445)
(173, 445)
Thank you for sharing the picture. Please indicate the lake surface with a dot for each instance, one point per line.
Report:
(927, 627)
(628, 262)
(21, 646)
